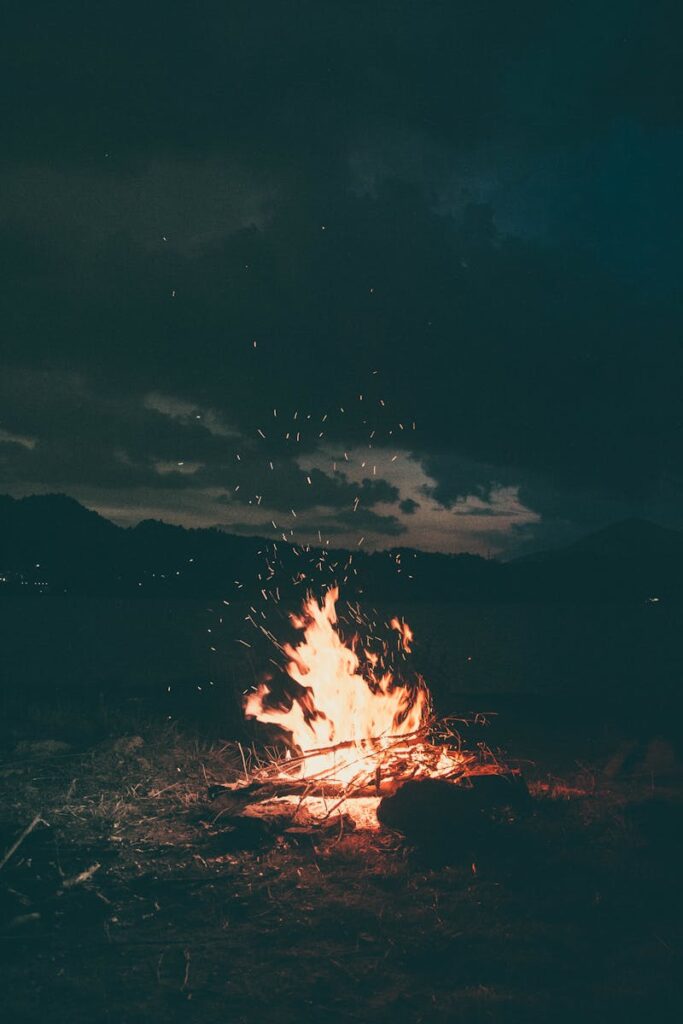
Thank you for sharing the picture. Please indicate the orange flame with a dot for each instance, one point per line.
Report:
(405, 633)
(337, 702)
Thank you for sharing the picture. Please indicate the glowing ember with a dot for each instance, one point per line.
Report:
(346, 717)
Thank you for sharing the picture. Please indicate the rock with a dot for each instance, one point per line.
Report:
(498, 792)
(435, 812)
(42, 748)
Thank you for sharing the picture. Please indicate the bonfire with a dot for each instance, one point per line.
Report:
(354, 728)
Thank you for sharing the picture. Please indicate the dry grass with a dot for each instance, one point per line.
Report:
(138, 899)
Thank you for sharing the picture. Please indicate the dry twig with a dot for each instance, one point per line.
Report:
(83, 876)
(17, 843)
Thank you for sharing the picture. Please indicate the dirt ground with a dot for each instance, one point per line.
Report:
(135, 899)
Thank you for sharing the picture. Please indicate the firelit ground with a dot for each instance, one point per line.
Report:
(133, 899)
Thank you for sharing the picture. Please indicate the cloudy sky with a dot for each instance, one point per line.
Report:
(398, 273)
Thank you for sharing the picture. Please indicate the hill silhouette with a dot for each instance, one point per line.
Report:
(630, 558)
(53, 544)
(620, 541)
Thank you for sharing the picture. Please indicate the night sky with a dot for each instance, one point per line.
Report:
(229, 220)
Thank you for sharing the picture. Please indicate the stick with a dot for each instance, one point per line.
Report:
(188, 957)
(17, 843)
(244, 763)
(84, 876)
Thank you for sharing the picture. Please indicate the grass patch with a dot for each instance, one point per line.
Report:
(575, 910)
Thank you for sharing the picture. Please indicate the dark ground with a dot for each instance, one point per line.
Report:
(572, 911)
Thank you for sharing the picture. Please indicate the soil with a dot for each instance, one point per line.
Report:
(136, 898)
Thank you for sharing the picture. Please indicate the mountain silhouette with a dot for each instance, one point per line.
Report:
(629, 559)
(53, 544)
(626, 540)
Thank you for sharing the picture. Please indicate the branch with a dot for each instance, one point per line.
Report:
(17, 843)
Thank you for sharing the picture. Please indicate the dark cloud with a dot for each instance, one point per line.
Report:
(351, 526)
(287, 486)
(478, 201)
(364, 520)
(457, 478)
(304, 78)
(408, 506)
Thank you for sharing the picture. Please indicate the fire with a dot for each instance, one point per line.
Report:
(405, 632)
(357, 731)
(344, 712)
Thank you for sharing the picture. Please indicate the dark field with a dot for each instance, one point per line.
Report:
(135, 899)
(78, 643)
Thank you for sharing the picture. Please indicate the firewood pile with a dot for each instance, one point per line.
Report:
(307, 785)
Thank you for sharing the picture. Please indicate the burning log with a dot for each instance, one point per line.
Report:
(285, 786)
